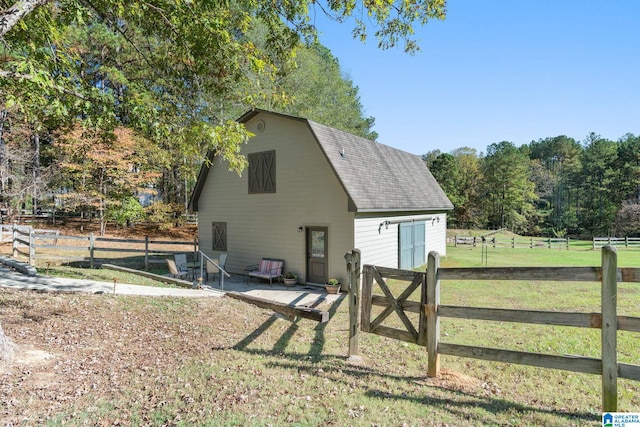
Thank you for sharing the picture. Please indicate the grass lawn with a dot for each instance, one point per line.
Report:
(161, 361)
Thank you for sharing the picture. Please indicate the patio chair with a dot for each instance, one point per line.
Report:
(173, 269)
(181, 261)
(267, 269)
(212, 269)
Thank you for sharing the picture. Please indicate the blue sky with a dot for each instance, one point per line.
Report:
(501, 70)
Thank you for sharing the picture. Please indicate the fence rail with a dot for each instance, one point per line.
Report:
(427, 332)
(626, 242)
(40, 245)
(514, 242)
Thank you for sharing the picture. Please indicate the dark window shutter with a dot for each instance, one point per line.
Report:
(262, 172)
(219, 230)
(269, 172)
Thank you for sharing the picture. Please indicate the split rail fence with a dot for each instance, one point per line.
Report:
(430, 311)
(38, 245)
(625, 242)
(513, 242)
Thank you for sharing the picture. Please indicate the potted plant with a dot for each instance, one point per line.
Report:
(332, 286)
(289, 279)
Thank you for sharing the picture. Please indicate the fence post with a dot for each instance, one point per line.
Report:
(567, 242)
(32, 247)
(455, 241)
(433, 322)
(92, 243)
(353, 272)
(531, 244)
(365, 301)
(609, 329)
(594, 243)
(626, 241)
(146, 253)
(15, 240)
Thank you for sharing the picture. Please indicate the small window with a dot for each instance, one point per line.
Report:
(262, 172)
(219, 236)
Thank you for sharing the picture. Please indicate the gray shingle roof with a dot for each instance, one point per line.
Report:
(378, 177)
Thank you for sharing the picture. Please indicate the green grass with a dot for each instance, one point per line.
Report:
(529, 383)
(101, 275)
(580, 254)
(257, 369)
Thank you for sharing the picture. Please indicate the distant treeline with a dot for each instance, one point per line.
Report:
(550, 187)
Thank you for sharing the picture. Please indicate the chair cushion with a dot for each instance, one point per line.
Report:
(268, 268)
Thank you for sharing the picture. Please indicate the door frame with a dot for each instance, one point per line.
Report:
(308, 230)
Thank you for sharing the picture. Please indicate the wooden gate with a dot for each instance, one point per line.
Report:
(399, 305)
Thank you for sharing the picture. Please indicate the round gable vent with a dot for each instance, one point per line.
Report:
(260, 126)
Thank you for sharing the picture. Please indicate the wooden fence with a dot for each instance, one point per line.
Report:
(626, 242)
(429, 310)
(514, 242)
(50, 245)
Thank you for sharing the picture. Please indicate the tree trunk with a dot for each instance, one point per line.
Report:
(3, 119)
(10, 16)
(6, 347)
(35, 171)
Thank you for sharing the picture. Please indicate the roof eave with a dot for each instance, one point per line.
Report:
(390, 210)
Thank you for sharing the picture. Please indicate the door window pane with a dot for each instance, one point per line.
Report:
(317, 244)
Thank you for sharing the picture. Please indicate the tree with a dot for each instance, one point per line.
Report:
(468, 212)
(179, 73)
(201, 46)
(627, 165)
(507, 188)
(598, 193)
(102, 169)
(628, 220)
(556, 163)
(321, 92)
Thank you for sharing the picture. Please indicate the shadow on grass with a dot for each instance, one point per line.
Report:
(279, 347)
(491, 405)
(461, 404)
(457, 404)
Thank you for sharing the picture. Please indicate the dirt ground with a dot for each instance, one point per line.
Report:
(137, 231)
(71, 347)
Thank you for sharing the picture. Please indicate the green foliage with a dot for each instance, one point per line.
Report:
(126, 212)
(321, 92)
(507, 187)
(164, 213)
(178, 74)
(552, 187)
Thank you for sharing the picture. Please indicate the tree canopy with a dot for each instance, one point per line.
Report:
(553, 186)
(176, 74)
(171, 68)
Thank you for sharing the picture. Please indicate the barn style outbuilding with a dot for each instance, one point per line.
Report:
(311, 194)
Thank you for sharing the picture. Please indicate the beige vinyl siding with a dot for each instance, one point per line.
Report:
(381, 248)
(266, 225)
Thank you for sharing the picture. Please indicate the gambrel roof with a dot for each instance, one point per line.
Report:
(376, 177)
